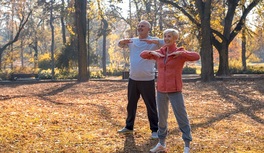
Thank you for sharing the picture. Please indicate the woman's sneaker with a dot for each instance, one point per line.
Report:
(158, 149)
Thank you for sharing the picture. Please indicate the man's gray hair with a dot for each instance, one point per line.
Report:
(149, 25)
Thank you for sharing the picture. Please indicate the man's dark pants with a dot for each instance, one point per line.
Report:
(147, 91)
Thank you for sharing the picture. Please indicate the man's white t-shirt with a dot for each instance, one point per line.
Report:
(142, 69)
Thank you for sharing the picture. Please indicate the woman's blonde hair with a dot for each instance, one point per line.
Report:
(174, 32)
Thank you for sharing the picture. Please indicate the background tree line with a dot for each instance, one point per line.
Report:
(41, 36)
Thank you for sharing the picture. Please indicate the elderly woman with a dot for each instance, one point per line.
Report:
(170, 61)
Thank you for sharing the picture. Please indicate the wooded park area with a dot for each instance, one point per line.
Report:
(77, 100)
(78, 39)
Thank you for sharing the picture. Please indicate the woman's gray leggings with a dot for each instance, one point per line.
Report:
(177, 103)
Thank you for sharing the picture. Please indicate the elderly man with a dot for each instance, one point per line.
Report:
(141, 77)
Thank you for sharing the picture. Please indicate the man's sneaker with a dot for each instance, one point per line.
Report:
(186, 150)
(158, 149)
(154, 135)
(124, 130)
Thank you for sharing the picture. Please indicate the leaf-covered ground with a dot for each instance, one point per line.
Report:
(226, 117)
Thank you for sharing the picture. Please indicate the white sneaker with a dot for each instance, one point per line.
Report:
(186, 150)
(154, 135)
(158, 149)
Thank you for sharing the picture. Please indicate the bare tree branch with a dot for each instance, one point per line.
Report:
(20, 28)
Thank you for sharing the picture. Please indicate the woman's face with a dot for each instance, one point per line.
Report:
(169, 39)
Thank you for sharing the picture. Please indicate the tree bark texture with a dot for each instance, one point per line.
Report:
(80, 8)
(52, 42)
(207, 70)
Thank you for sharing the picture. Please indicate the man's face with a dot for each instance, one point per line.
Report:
(142, 28)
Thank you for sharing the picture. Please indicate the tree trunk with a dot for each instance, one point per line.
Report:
(35, 48)
(160, 17)
(11, 56)
(63, 31)
(244, 63)
(22, 53)
(0, 62)
(223, 68)
(80, 8)
(88, 46)
(207, 72)
(104, 46)
(52, 42)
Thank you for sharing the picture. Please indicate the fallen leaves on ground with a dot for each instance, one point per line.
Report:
(226, 116)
